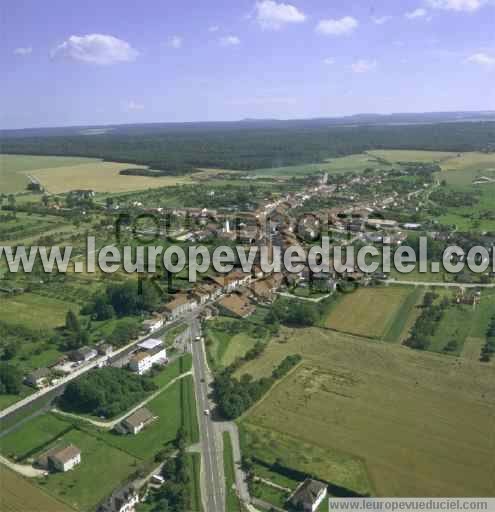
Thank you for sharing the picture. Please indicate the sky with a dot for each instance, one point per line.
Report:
(107, 62)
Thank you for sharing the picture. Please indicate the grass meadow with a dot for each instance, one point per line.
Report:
(422, 423)
(232, 501)
(374, 312)
(83, 488)
(346, 164)
(105, 452)
(34, 311)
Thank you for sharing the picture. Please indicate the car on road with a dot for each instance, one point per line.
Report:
(197, 338)
(207, 412)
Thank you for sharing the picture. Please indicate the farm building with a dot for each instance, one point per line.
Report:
(308, 496)
(134, 423)
(38, 378)
(60, 459)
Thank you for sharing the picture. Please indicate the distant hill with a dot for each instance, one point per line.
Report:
(179, 148)
(353, 120)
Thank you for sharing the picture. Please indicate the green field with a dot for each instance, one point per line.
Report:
(167, 407)
(422, 423)
(374, 312)
(19, 495)
(194, 469)
(105, 452)
(225, 345)
(272, 446)
(26, 441)
(397, 156)
(34, 311)
(84, 487)
(345, 164)
(463, 322)
(269, 494)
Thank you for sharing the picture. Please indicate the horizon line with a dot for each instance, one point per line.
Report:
(260, 120)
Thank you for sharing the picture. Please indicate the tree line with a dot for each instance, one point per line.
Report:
(179, 150)
(235, 396)
(106, 392)
(488, 348)
(426, 324)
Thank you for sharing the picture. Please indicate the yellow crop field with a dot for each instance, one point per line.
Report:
(370, 312)
(62, 174)
(424, 424)
(101, 177)
(18, 495)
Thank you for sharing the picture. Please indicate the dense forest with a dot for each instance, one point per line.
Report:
(251, 146)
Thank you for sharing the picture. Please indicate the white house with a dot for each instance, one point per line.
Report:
(83, 354)
(180, 305)
(231, 281)
(123, 500)
(308, 496)
(151, 352)
(153, 324)
(150, 344)
(140, 363)
(66, 458)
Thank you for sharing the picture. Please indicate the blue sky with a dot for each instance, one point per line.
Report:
(105, 62)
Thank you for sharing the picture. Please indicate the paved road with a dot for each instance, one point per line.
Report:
(27, 471)
(212, 471)
(121, 352)
(240, 476)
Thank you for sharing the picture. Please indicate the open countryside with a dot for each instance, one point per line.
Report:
(249, 389)
(62, 174)
(404, 413)
(382, 313)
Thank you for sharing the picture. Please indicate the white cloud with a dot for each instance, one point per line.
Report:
(417, 13)
(482, 59)
(175, 42)
(337, 27)
(213, 28)
(23, 51)
(380, 20)
(230, 41)
(99, 49)
(457, 5)
(363, 66)
(273, 15)
(134, 106)
(329, 61)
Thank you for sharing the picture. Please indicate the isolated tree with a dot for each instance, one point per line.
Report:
(72, 322)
